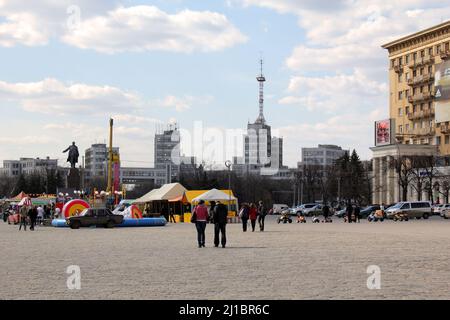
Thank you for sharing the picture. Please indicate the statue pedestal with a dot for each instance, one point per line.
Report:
(74, 179)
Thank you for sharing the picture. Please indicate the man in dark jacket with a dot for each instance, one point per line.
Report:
(220, 217)
(261, 215)
(349, 211)
(32, 213)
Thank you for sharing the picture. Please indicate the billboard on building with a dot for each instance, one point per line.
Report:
(384, 132)
(442, 92)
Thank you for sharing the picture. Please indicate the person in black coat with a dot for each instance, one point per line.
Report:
(326, 212)
(32, 213)
(357, 212)
(349, 211)
(220, 218)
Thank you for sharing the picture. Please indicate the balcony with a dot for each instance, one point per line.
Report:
(426, 78)
(421, 62)
(420, 97)
(423, 132)
(445, 54)
(445, 129)
(421, 114)
(398, 69)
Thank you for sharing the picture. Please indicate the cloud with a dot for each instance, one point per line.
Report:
(147, 28)
(107, 28)
(51, 96)
(184, 103)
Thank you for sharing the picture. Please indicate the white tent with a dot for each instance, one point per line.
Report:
(214, 195)
(166, 192)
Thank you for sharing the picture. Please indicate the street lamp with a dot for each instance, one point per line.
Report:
(228, 164)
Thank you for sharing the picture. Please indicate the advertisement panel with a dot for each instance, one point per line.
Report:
(442, 92)
(383, 132)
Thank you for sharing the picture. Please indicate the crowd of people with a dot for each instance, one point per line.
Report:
(29, 214)
(217, 214)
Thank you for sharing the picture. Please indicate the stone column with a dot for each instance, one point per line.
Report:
(383, 175)
(376, 180)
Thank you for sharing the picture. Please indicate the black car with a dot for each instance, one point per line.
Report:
(369, 210)
(101, 217)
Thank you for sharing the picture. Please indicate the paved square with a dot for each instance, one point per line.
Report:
(287, 261)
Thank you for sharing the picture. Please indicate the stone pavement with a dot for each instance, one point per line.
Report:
(287, 261)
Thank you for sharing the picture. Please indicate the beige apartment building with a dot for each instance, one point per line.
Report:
(413, 61)
(419, 109)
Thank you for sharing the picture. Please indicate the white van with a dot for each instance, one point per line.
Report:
(415, 209)
(279, 207)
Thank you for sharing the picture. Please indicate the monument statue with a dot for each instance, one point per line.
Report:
(73, 155)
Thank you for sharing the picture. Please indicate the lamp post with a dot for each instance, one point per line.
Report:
(228, 165)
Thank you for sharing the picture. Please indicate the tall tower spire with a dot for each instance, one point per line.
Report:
(261, 79)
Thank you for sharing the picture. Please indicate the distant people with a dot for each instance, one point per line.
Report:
(357, 213)
(57, 213)
(212, 207)
(349, 212)
(33, 214)
(253, 215)
(23, 212)
(201, 213)
(40, 214)
(326, 213)
(172, 216)
(220, 217)
(165, 212)
(261, 215)
(244, 215)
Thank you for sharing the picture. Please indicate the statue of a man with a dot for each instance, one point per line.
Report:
(73, 154)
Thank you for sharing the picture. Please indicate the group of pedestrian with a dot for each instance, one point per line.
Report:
(252, 212)
(218, 215)
(28, 213)
(353, 213)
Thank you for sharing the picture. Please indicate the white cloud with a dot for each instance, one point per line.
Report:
(147, 28)
(184, 103)
(105, 27)
(52, 96)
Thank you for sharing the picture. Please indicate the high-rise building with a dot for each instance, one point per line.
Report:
(261, 150)
(96, 161)
(419, 86)
(167, 151)
(324, 154)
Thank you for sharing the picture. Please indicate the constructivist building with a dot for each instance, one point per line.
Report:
(419, 108)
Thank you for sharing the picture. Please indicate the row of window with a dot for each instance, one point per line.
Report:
(416, 125)
(430, 51)
(416, 108)
(415, 73)
(422, 89)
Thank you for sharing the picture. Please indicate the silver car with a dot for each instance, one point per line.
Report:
(416, 209)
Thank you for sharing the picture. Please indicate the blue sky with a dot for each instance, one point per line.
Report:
(152, 62)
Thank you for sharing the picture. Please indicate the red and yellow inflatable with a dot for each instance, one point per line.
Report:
(135, 212)
(70, 208)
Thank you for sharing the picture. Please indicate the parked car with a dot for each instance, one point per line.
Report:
(367, 211)
(95, 217)
(279, 208)
(312, 209)
(341, 213)
(437, 209)
(416, 209)
(445, 213)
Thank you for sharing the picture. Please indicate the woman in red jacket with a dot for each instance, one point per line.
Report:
(253, 215)
(201, 213)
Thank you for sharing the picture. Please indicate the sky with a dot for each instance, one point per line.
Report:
(66, 67)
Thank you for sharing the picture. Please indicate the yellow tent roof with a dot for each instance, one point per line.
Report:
(191, 194)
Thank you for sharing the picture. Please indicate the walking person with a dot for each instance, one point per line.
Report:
(33, 214)
(253, 215)
(171, 216)
(349, 211)
(357, 213)
(261, 215)
(200, 218)
(326, 212)
(40, 215)
(23, 212)
(220, 217)
(244, 215)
